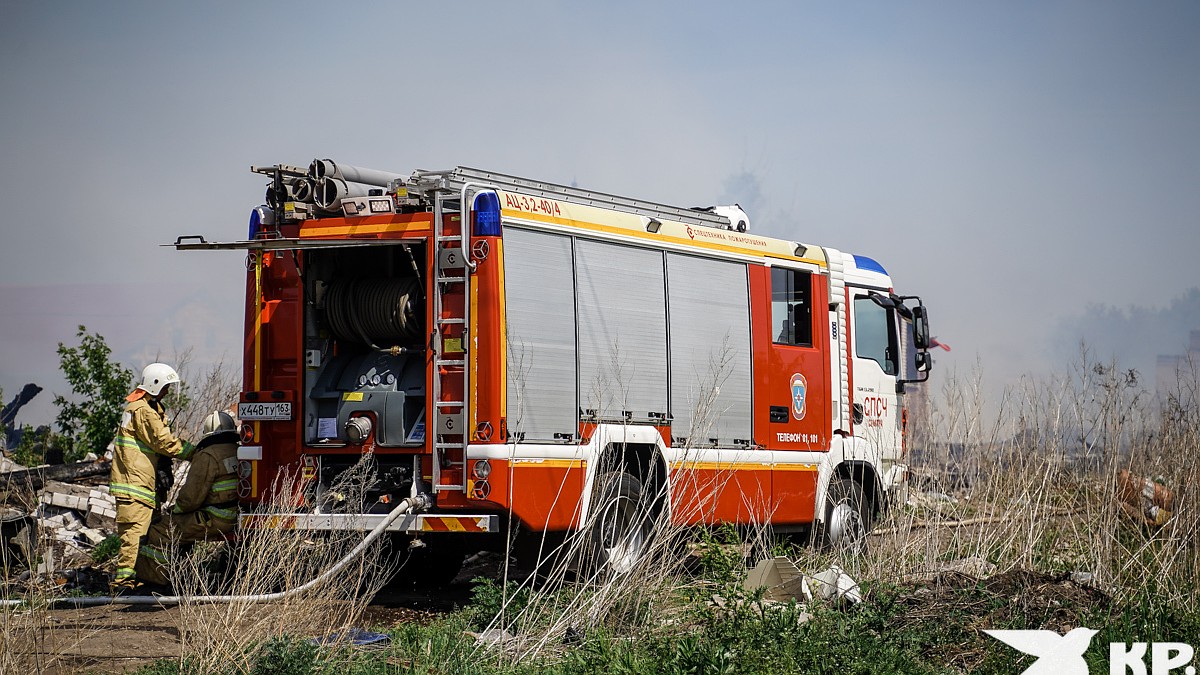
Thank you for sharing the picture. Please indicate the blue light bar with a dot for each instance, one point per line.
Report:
(485, 214)
(255, 222)
(862, 262)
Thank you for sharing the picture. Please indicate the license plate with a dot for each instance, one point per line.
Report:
(265, 411)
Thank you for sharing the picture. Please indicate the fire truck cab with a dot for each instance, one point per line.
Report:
(563, 360)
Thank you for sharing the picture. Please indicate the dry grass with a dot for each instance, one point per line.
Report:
(1032, 488)
(31, 640)
(219, 637)
(200, 393)
(1040, 484)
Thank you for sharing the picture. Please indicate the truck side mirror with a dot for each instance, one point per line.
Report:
(920, 319)
(924, 362)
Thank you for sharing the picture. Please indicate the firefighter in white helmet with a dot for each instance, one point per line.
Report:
(206, 506)
(142, 437)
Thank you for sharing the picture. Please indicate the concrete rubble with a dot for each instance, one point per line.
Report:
(782, 581)
(59, 533)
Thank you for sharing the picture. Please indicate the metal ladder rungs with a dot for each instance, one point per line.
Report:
(442, 238)
(450, 486)
(451, 280)
(451, 362)
(449, 404)
(453, 322)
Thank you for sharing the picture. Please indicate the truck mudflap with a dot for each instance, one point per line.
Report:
(413, 523)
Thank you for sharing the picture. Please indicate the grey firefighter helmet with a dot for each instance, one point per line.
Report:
(218, 422)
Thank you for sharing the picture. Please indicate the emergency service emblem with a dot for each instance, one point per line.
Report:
(799, 395)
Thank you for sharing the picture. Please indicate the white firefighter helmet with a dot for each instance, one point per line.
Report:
(218, 422)
(156, 376)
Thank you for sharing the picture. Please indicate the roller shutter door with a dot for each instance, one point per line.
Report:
(539, 294)
(711, 379)
(622, 330)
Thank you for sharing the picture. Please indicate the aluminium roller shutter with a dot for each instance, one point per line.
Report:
(711, 379)
(622, 330)
(539, 296)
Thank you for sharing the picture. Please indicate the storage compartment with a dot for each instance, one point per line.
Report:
(364, 347)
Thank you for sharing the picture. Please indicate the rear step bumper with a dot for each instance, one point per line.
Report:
(421, 522)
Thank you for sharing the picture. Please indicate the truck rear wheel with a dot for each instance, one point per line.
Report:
(623, 523)
(848, 516)
(434, 565)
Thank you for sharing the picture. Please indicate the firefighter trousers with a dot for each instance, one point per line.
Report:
(168, 534)
(133, 521)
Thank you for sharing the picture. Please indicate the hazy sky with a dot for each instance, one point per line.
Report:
(1011, 162)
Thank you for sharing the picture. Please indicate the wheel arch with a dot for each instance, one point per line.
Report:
(635, 449)
(855, 459)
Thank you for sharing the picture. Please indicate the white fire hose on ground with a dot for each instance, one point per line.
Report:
(410, 505)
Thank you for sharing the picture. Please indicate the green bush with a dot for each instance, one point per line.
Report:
(106, 550)
(99, 386)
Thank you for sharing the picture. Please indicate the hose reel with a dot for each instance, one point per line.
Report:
(374, 311)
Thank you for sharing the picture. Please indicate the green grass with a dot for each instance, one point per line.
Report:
(914, 628)
(897, 629)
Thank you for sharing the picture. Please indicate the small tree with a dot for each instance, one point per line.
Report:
(99, 386)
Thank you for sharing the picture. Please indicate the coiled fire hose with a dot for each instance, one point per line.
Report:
(374, 311)
(412, 504)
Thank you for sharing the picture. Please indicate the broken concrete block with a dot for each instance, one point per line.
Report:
(7, 465)
(52, 522)
(93, 536)
(779, 576)
(66, 501)
(835, 584)
(66, 488)
(103, 519)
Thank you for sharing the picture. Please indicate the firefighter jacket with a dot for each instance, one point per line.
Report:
(143, 435)
(212, 480)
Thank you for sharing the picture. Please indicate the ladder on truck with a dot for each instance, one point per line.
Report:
(451, 377)
(451, 193)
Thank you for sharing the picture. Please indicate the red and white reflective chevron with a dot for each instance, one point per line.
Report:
(454, 523)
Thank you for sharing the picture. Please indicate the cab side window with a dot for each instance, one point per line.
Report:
(873, 336)
(791, 307)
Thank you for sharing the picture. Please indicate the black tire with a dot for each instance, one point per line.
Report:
(622, 523)
(848, 516)
(434, 565)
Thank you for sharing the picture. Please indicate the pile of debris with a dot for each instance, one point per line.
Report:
(50, 526)
(72, 520)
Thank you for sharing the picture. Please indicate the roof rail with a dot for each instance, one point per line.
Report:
(454, 179)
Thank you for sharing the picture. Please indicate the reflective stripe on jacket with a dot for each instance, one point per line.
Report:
(143, 434)
(212, 483)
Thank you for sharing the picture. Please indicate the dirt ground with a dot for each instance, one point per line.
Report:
(116, 638)
(123, 638)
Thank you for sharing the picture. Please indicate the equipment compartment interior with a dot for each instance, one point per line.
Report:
(363, 347)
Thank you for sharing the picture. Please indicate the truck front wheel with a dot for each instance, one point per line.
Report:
(848, 517)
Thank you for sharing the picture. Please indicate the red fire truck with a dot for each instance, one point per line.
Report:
(556, 359)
